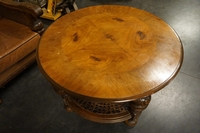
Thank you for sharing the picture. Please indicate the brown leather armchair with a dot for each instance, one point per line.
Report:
(20, 32)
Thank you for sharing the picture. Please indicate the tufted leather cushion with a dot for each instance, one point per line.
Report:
(16, 41)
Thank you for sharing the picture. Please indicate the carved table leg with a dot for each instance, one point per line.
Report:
(136, 108)
(64, 97)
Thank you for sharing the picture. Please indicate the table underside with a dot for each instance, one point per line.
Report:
(105, 112)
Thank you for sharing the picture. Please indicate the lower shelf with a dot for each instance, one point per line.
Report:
(99, 111)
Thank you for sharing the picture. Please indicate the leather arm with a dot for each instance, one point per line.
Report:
(22, 12)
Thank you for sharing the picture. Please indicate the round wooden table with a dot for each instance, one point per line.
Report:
(106, 61)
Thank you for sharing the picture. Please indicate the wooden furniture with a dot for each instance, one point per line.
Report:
(19, 36)
(106, 61)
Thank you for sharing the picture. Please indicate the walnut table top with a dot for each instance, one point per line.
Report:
(110, 53)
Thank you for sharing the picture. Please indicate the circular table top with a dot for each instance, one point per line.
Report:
(110, 52)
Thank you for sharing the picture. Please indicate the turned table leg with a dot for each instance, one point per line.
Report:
(64, 97)
(136, 108)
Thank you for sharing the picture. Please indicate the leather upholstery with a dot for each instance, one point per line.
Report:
(20, 31)
(20, 44)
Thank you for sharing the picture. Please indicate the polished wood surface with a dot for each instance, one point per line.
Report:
(110, 53)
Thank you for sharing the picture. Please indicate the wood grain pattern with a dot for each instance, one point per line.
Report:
(110, 53)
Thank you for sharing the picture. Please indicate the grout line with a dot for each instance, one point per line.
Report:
(190, 75)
